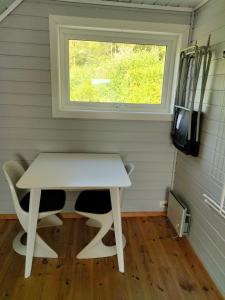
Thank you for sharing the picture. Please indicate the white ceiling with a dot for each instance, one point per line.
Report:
(6, 6)
(175, 3)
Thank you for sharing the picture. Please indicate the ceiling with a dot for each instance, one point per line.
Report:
(174, 3)
(6, 6)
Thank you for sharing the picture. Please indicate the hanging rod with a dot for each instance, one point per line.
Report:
(193, 49)
(182, 107)
(190, 48)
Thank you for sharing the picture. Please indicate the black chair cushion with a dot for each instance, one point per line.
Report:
(94, 202)
(50, 200)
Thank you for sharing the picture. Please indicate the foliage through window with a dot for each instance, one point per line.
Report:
(106, 69)
(116, 72)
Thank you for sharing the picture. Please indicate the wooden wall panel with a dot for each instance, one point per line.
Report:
(26, 123)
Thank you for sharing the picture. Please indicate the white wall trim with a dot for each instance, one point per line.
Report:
(203, 2)
(174, 170)
(190, 36)
(11, 7)
(132, 5)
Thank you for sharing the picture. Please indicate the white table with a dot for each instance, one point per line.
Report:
(74, 171)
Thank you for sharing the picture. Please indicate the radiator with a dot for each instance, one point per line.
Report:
(178, 215)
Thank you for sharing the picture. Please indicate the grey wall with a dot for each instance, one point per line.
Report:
(26, 123)
(205, 174)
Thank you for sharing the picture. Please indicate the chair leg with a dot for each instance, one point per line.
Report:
(93, 223)
(96, 248)
(50, 221)
(41, 248)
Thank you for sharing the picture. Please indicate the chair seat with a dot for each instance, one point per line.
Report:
(50, 200)
(94, 201)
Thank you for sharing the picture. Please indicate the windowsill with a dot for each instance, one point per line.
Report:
(151, 116)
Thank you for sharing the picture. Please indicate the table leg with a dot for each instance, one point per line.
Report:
(116, 211)
(35, 195)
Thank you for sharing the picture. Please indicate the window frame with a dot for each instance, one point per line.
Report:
(63, 29)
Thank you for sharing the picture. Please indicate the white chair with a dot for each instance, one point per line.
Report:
(51, 203)
(96, 206)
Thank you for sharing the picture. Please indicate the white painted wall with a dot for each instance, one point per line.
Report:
(205, 174)
(26, 123)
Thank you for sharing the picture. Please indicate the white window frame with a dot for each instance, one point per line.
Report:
(63, 29)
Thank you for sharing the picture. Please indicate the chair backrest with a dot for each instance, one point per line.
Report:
(129, 168)
(13, 171)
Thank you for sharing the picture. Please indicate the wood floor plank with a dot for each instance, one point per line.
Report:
(149, 272)
(158, 266)
(174, 272)
(207, 285)
(136, 279)
(196, 285)
(168, 280)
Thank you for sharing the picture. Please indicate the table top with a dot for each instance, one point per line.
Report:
(75, 170)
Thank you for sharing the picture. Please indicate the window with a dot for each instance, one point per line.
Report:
(100, 70)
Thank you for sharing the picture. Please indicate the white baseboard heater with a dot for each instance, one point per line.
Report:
(178, 215)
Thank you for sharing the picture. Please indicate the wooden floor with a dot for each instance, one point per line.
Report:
(158, 266)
